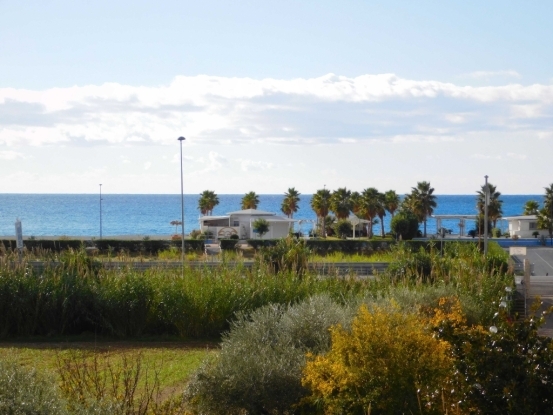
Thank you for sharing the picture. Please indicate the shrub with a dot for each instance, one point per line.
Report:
(343, 228)
(25, 392)
(504, 370)
(260, 226)
(172, 253)
(411, 265)
(206, 235)
(388, 363)
(289, 254)
(405, 224)
(258, 370)
(496, 233)
(195, 234)
(98, 383)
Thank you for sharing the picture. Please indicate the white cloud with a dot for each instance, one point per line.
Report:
(527, 111)
(417, 138)
(214, 109)
(456, 118)
(11, 155)
(251, 165)
(147, 165)
(492, 74)
(517, 156)
(545, 135)
(213, 162)
(486, 156)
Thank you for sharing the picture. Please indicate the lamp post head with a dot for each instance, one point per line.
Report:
(181, 138)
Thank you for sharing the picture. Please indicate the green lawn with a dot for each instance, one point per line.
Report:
(174, 362)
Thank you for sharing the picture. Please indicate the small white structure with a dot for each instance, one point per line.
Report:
(241, 223)
(462, 224)
(524, 226)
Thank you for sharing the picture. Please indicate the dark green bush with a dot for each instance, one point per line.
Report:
(504, 370)
(289, 255)
(228, 244)
(324, 246)
(105, 246)
(343, 229)
(405, 224)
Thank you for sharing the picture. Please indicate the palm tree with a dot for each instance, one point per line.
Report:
(176, 223)
(423, 201)
(381, 213)
(531, 207)
(545, 219)
(408, 204)
(207, 201)
(340, 203)
(494, 205)
(320, 203)
(370, 206)
(391, 201)
(356, 203)
(548, 197)
(290, 202)
(250, 201)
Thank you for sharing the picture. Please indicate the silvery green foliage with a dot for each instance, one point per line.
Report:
(259, 368)
(25, 392)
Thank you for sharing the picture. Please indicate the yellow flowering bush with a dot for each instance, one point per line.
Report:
(388, 363)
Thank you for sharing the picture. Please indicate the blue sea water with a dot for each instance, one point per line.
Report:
(124, 214)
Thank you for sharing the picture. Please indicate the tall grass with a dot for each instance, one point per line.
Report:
(343, 257)
(79, 296)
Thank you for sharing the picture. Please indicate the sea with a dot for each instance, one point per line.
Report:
(78, 215)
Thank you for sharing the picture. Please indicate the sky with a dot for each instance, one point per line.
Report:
(273, 95)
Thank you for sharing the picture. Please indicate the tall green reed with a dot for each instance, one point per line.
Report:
(80, 296)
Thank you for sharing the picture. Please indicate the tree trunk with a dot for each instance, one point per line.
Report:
(425, 227)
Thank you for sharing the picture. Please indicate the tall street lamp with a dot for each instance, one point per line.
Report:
(324, 210)
(181, 139)
(100, 211)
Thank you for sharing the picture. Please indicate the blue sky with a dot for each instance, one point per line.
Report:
(272, 95)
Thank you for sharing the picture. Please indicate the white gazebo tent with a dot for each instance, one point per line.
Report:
(461, 218)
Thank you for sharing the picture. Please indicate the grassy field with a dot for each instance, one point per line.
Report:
(171, 363)
(341, 257)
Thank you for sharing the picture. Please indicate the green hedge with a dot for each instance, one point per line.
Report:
(54, 246)
(152, 247)
(228, 244)
(321, 247)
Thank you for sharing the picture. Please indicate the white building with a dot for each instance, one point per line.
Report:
(241, 223)
(524, 226)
